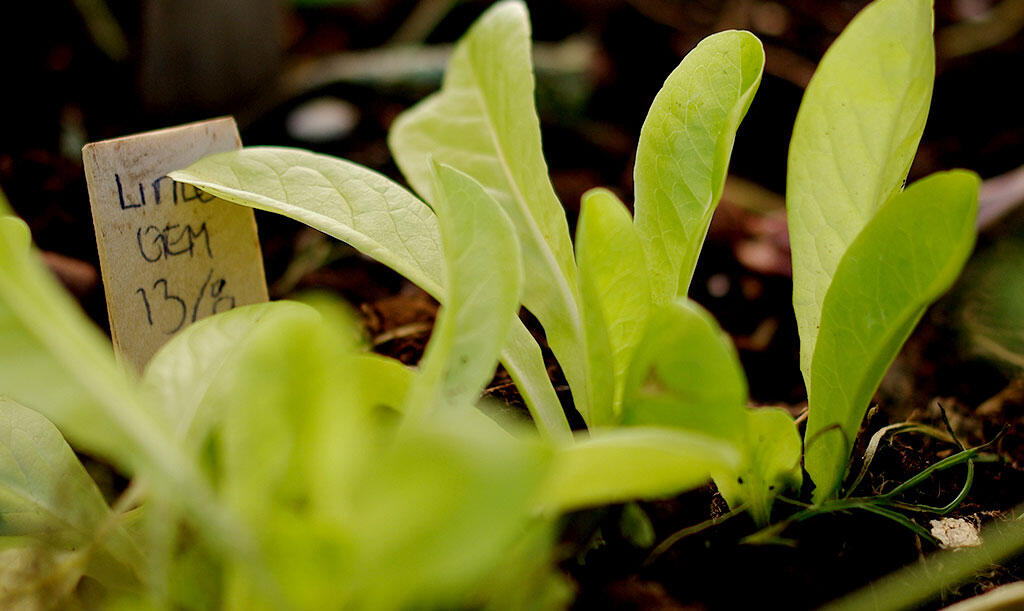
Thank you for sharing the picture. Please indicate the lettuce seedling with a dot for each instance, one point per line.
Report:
(868, 256)
(614, 308)
(594, 303)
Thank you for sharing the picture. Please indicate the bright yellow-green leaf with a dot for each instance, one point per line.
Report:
(686, 374)
(855, 136)
(683, 155)
(481, 295)
(382, 220)
(906, 257)
(345, 502)
(771, 463)
(623, 464)
(613, 288)
(386, 381)
(294, 436)
(483, 123)
(182, 371)
(289, 419)
(439, 510)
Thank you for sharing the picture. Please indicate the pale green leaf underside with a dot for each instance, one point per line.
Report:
(483, 123)
(853, 141)
(481, 297)
(46, 493)
(623, 464)
(906, 257)
(686, 374)
(340, 198)
(683, 154)
(614, 287)
(375, 215)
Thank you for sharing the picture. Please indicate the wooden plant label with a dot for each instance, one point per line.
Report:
(170, 254)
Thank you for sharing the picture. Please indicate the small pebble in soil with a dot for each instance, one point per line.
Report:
(955, 533)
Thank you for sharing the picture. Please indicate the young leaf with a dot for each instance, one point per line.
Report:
(347, 506)
(385, 381)
(683, 154)
(356, 205)
(624, 464)
(284, 418)
(905, 258)
(382, 220)
(438, 511)
(686, 374)
(46, 494)
(613, 285)
(771, 464)
(854, 139)
(182, 371)
(483, 123)
(481, 295)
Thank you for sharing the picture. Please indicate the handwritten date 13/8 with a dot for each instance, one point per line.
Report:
(169, 305)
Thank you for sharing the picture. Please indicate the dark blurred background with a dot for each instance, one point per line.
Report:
(331, 75)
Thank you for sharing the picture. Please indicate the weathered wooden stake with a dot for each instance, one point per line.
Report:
(169, 253)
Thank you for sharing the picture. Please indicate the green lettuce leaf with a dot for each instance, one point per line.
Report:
(346, 504)
(382, 220)
(906, 257)
(613, 287)
(624, 464)
(483, 122)
(439, 511)
(771, 464)
(181, 373)
(481, 295)
(54, 360)
(686, 374)
(683, 154)
(853, 141)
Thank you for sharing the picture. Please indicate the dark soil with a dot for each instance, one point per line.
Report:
(65, 92)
